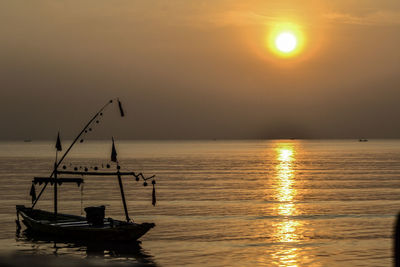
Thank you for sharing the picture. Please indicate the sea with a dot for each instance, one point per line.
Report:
(220, 202)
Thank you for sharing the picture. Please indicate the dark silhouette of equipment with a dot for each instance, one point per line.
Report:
(95, 215)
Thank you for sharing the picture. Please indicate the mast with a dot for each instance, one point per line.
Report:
(121, 188)
(55, 190)
(123, 195)
(57, 164)
(58, 148)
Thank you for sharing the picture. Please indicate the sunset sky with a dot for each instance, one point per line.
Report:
(200, 69)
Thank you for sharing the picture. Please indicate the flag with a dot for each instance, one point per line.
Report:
(58, 144)
(154, 200)
(32, 193)
(113, 152)
(121, 111)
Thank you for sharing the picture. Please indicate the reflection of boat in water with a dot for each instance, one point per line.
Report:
(115, 251)
(94, 226)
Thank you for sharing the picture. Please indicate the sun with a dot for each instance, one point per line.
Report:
(286, 42)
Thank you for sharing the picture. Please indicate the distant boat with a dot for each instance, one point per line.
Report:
(94, 226)
(362, 140)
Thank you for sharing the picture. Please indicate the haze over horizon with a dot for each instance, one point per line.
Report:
(199, 70)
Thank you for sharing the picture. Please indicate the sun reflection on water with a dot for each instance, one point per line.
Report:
(286, 230)
(285, 190)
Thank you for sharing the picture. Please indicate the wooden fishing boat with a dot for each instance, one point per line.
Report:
(94, 226)
(77, 227)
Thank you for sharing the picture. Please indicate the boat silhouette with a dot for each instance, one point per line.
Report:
(95, 226)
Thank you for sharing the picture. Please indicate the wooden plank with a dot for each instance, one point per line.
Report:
(82, 224)
(75, 223)
(106, 174)
(94, 173)
(70, 222)
(59, 180)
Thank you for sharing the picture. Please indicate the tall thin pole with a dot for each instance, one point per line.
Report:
(123, 196)
(55, 187)
(83, 130)
(69, 148)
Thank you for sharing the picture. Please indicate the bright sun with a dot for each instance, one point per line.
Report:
(286, 42)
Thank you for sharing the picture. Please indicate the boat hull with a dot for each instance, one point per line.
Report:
(76, 227)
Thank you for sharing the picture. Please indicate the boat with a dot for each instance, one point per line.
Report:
(79, 228)
(94, 226)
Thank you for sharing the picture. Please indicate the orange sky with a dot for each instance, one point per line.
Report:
(200, 69)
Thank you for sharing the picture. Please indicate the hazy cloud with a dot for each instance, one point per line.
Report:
(376, 18)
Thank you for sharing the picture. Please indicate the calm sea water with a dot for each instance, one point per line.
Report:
(226, 203)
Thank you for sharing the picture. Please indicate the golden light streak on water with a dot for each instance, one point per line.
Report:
(286, 230)
(284, 177)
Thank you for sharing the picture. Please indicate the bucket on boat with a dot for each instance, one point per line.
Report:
(95, 215)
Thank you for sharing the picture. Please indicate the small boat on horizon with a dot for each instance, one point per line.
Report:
(95, 226)
(362, 140)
